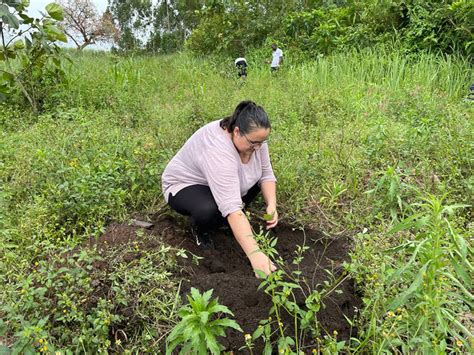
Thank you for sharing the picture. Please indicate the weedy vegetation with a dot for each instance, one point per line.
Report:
(371, 144)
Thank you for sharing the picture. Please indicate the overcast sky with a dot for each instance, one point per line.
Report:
(38, 5)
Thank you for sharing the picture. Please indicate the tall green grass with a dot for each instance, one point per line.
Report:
(357, 139)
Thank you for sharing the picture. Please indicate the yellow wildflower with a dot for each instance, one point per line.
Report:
(247, 337)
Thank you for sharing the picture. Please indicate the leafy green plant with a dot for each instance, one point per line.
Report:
(97, 155)
(53, 306)
(32, 59)
(113, 298)
(282, 286)
(421, 296)
(389, 194)
(200, 325)
(437, 274)
(333, 192)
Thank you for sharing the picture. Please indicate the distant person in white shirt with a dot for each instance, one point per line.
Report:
(241, 65)
(277, 58)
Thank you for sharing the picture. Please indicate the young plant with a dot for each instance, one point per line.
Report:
(425, 288)
(200, 325)
(283, 286)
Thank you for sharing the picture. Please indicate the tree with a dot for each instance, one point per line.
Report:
(161, 25)
(134, 17)
(33, 61)
(83, 24)
(239, 25)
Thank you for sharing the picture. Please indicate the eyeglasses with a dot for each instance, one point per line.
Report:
(255, 144)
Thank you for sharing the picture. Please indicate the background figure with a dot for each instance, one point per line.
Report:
(470, 95)
(277, 58)
(241, 65)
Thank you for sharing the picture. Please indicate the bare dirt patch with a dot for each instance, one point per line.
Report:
(227, 271)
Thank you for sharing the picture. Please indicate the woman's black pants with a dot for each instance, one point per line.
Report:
(197, 202)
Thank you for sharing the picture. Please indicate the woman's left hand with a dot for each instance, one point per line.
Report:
(274, 221)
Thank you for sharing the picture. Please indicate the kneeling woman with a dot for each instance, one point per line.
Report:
(223, 166)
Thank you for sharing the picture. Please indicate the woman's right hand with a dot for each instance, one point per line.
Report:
(261, 262)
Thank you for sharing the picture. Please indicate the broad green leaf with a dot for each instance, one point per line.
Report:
(8, 18)
(226, 322)
(258, 332)
(4, 10)
(220, 308)
(26, 19)
(219, 332)
(207, 296)
(54, 33)
(195, 294)
(55, 11)
(211, 342)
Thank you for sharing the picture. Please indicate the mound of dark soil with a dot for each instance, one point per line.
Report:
(227, 271)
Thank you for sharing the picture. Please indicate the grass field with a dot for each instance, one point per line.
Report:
(371, 145)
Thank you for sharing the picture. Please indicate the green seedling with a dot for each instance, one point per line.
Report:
(201, 323)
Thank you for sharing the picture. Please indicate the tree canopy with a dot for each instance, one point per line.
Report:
(311, 26)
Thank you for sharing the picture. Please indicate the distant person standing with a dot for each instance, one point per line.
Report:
(241, 65)
(277, 58)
